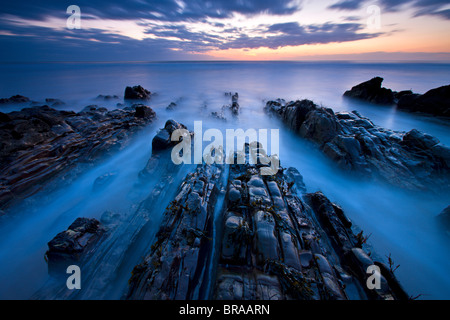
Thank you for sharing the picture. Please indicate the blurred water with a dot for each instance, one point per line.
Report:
(401, 223)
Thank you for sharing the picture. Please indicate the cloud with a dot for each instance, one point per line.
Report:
(167, 10)
(421, 7)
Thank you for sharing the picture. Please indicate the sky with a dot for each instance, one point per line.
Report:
(165, 30)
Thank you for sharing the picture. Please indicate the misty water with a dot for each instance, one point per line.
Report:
(401, 223)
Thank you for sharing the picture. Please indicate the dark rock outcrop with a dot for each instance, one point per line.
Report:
(435, 102)
(73, 245)
(411, 160)
(162, 140)
(174, 268)
(137, 93)
(372, 91)
(15, 99)
(37, 144)
(272, 245)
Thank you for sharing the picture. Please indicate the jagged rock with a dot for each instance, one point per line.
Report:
(435, 101)
(273, 245)
(72, 246)
(411, 160)
(136, 93)
(41, 143)
(372, 91)
(15, 99)
(173, 268)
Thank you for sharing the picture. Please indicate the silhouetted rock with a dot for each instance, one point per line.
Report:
(435, 101)
(137, 93)
(372, 91)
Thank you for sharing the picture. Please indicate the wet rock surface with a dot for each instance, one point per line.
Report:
(412, 160)
(73, 246)
(40, 143)
(270, 244)
(175, 267)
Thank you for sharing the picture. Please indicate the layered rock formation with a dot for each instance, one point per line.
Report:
(272, 244)
(411, 160)
(39, 143)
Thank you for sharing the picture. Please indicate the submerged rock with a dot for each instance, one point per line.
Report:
(372, 91)
(411, 160)
(137, 93)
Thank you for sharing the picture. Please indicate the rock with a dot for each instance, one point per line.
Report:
(136, 93)
(15, 99)
(71, 246)
(104, 180)
(372, 91)
(143, 111)
(435, 102)
(186, 222)
(419, 140)
(412, 160)
(107, 97)
(273, 245)
(162, 140)
(40, 144)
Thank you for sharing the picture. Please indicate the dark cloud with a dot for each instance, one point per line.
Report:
(168, 10)
(421, 7)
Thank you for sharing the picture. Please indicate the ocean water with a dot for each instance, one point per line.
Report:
(400, 223)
